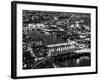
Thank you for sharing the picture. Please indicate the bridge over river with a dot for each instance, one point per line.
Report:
(60, 49)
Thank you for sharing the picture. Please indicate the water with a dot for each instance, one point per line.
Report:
(65, 61)
(82, 61)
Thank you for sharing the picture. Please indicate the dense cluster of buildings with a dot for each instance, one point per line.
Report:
(50, 34)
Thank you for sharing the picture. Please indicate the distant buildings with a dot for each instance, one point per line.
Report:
(32, 27)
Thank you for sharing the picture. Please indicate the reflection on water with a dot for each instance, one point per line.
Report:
(72, 60)
(82, 61)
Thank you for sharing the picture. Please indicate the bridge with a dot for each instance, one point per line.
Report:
(62, 48)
